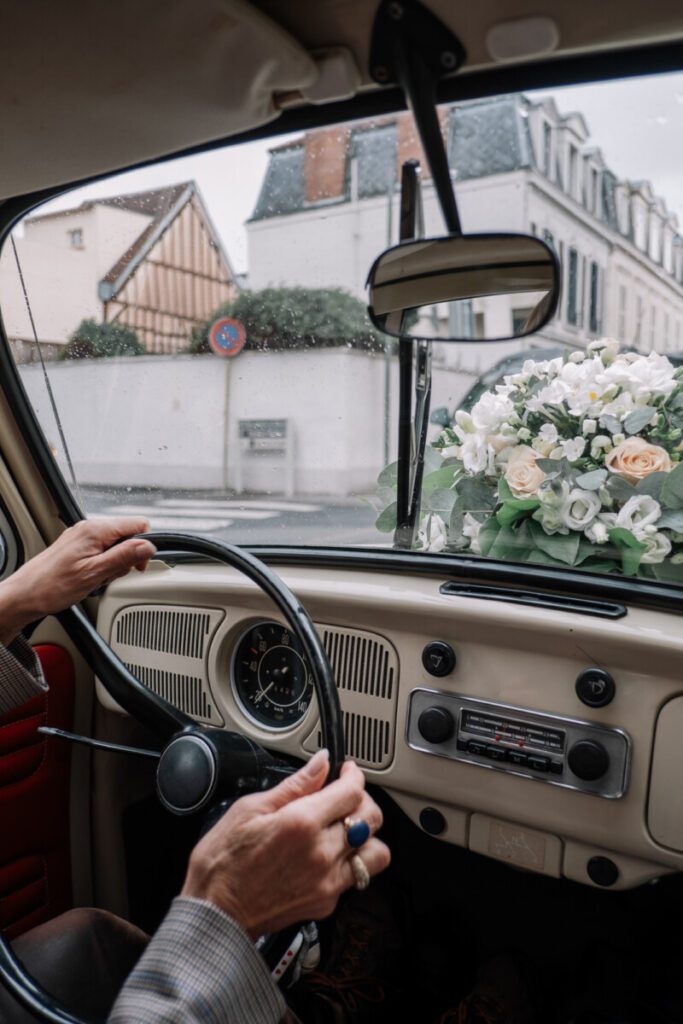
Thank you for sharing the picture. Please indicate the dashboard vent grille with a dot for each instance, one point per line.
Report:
(360, 662)
(173, 631)
(185, 692)
(366, 739)
(166, 648)
(365, 667)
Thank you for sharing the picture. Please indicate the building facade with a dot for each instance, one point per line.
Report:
(150, 261)
(516, 165)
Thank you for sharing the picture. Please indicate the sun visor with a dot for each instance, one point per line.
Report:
(91, 87)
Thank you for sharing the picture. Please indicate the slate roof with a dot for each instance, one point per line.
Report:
(490, 137)
(283, 188)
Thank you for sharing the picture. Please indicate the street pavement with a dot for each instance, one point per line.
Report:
(252, 519)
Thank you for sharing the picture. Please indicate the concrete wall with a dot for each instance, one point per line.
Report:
(160, 421)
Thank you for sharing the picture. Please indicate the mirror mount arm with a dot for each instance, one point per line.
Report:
(408, 48)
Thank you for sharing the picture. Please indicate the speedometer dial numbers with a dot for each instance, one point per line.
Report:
(270, 677)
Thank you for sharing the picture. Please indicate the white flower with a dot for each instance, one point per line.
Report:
(577, 357)
(524, 434)
(433, 535)
(471, 528)
(589, 426)
(490, 412)
(548, 432)
(639, 512)
(658, 547)
(573, 449)
(463, 420)
(580, 509)
(646, 377)
(598, 531)
(474, 453)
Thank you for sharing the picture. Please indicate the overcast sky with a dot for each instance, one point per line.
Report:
(637, 123)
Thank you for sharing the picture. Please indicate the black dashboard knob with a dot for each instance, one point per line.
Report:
(436, 724)
(438, 658)
(595, 687)
(588, 760)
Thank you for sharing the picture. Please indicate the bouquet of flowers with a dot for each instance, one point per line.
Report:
(574, 461)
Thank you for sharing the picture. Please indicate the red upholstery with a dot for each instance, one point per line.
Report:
(35, 868)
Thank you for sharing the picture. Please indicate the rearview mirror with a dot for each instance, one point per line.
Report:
(464, 288)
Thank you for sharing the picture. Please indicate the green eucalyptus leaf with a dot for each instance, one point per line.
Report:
(623, 538)
(592, 481)
(442, 478)
(504, 492)
(611, 423)
(474, 493)
(671, 519)
(562, 546)
(652, 484)
(638, 419)
(619, 488)
(385, 496)
(672, 491)
(389, 475)
(441, 500)
(518, 508)
(487, 535)
(433, 460)
(666, 572)
(386, 521)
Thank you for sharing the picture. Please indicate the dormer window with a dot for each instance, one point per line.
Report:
(547, 148)
(76, 238)
(573, 158)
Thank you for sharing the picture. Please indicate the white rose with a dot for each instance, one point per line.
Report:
(639, 512)
(433, 536)
(658, 547)
(580, 509)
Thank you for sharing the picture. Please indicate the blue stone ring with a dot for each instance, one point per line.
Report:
(357, 832)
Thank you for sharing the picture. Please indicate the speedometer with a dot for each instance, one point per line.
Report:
(270, 677)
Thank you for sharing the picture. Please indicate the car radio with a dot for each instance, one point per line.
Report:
(563, 751)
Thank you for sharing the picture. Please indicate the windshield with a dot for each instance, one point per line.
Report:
(202, 352)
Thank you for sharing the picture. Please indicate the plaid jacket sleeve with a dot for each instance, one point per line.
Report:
(199, 966)
(21, 676)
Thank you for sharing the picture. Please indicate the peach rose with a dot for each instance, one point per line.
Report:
(635, 458)
(522, 473)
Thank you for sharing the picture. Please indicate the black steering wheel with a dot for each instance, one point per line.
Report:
(199, 766)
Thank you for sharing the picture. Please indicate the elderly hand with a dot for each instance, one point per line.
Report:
(82, 558)
(280, 857)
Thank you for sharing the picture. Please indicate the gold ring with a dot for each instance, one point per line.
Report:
(361, 874)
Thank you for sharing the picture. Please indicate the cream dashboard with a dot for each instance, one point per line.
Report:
(546, 737)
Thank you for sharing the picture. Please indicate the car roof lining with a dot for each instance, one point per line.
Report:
(101, 89)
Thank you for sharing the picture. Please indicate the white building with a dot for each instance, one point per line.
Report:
(517, 166)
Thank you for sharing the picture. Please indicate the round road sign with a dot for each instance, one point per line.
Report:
(227, 337)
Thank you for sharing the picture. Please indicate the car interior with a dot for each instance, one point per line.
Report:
(513, 714)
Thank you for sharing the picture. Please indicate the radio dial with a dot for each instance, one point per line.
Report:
(588, 760)
(436, 724)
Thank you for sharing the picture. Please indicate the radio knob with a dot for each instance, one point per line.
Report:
(436, 724)
(588, 760)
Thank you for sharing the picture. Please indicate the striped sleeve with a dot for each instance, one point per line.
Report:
(21, 677)
(199, 966)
